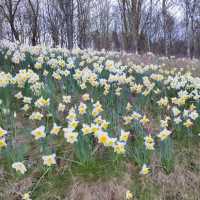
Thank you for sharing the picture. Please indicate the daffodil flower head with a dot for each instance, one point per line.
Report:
(19, 167)
(39, 132)
(56, 129)
(70, 135)
(2, 132)
(129, 195)
(145, 170)
(49, 160)
(2, 143)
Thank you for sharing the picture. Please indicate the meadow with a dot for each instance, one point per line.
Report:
(89, 125)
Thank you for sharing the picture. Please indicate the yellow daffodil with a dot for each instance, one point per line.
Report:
(103, 137)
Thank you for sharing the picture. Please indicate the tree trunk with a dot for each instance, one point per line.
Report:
(14, 31)
(164, 13)
(136, 6)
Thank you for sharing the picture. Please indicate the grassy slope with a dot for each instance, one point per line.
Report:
(103, 180)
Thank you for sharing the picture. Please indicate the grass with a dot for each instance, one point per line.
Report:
(59, 183)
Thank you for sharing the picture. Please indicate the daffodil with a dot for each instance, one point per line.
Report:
(73, 124)
(70, 135)
(103, 137)
(124, 135)
(129, 195)
(36, 116)
(128, 106)
(39, 132)
(144, 120)
(82, 108)
(164, 134)
(19, 167)
(2, 132)
(55, 130)
(41, 102)
(2, 143)
(61, 107)
(49, 160)
(19, 95)
(66, 99)
(71, 115)
(149, 142)
(86, 129)
(188, 123)
(86, 97)
(119, 147)
(145, 170)
(26, 196)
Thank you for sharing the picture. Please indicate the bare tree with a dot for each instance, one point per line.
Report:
(67, 8)
(34, 15)
(164, 14)
(136, 6)
(9, 9)
(54, 21)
